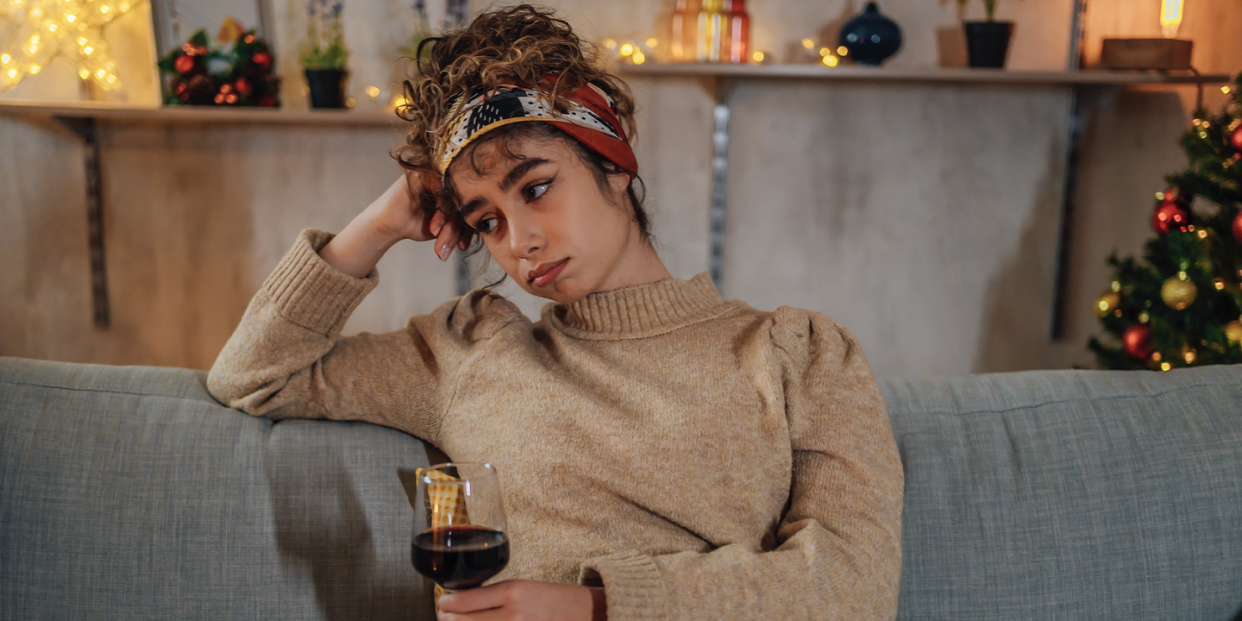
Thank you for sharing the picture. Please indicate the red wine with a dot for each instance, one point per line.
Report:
(460, 557)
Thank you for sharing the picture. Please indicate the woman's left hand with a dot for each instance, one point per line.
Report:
(524, 600)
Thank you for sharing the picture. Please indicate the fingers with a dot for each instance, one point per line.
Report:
(474, 600)
(450, 235)
(437, 223)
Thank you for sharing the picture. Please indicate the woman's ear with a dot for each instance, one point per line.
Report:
(619, 183)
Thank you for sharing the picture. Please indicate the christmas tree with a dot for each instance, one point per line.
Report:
(1180, 305)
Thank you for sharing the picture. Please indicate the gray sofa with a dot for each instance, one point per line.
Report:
(128, 493)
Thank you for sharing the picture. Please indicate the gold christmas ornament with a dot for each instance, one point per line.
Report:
(46, 29)
(1233, 331)
(1178, 292)
(1107, 303)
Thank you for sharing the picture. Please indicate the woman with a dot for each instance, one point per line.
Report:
(666, 454)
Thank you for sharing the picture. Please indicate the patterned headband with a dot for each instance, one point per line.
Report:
(590, 119)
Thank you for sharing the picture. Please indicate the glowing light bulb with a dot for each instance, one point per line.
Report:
(111, 79)
(373, 91)
(5, 58)
(831, 61)
(34, 69)
(758, 57)
(610, 44)
(84, 74)
(652, 42)
(1226, 90)
(639, 58)
(1170, 17)
(843, 51)
(808, 44)
(88, 50)
(1164, 366)
(100, 74)
(627, 49)
(823, 51)
(12, 73)
(51, 27)
(104, 9)
(70, 17)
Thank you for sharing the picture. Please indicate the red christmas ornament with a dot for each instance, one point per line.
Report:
(1169, 215)
(1136, 341)
(262, 59)
(242, 85)
(183, 64)
(1237, 227)
(1235, 139)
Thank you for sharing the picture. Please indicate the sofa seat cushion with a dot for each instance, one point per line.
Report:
(1071, 495)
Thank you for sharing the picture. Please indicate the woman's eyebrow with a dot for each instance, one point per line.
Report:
(519, 170)
(506, 184)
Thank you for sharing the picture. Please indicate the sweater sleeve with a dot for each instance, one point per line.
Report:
(838, 552)
(286, 359)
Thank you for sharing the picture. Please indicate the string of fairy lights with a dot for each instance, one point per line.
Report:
(45, 30)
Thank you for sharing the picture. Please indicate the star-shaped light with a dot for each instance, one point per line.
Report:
(47, 29)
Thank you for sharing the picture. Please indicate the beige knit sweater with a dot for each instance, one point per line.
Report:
(703, 459)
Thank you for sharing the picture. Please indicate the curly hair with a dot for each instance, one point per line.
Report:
(522, 45)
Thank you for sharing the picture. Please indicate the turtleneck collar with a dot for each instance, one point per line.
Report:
(640, 311)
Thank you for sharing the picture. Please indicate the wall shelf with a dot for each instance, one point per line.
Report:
(1000, 77)
(195, 114)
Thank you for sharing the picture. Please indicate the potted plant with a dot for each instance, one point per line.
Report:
(324, 54)
(987, 43)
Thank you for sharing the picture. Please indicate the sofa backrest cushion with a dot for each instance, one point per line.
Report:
(1071, 495)
(129, 493)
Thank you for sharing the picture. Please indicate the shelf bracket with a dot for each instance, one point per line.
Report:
(1082, 99)
(88, 130)
(721, 88)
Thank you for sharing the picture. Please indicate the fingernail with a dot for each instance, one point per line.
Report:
(436, 227)
(444, 251)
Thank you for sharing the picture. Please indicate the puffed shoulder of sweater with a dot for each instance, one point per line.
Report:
(476, 316)
(804, 334)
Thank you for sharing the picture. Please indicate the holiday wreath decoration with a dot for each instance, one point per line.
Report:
(238, 74)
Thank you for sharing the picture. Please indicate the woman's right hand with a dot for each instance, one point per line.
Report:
(406, 210)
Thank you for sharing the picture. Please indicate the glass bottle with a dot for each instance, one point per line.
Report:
(710, 31)
(737, 41)
(682, 29)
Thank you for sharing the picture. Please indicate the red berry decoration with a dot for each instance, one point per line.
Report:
(1169, 215)
(242, 85)
(262, 59)
(1237, 227)
(184, 64)
(1136, 341)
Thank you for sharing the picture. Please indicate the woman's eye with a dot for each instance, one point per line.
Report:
(485, 225)
(535, 191)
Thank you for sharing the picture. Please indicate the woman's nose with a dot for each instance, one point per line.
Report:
(525, 238)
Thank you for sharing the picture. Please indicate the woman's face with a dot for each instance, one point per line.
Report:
(545, 220)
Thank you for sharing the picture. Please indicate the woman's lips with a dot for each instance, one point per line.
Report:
(546, 273)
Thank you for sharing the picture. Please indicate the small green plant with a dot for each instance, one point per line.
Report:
(988, 5)
(325, 44)
(422, 31)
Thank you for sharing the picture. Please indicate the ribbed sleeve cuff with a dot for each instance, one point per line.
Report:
(633, 588)
(310, 293)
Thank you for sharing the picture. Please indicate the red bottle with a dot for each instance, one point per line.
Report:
(737, 43)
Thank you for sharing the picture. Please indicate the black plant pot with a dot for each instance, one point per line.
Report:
(327, 87)
(987, 43)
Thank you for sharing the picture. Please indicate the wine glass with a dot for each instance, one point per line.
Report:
(465, 541)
